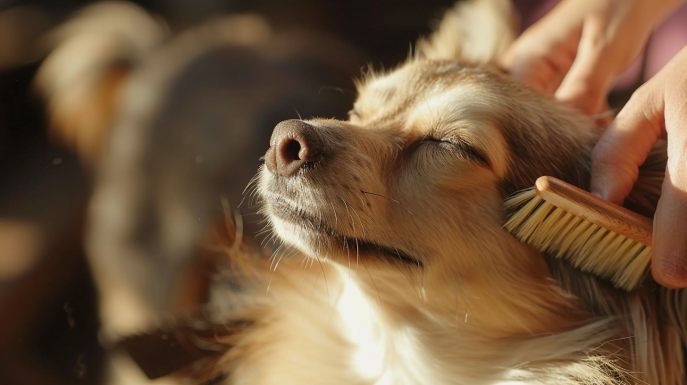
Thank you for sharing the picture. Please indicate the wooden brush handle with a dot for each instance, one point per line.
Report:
(594, 209)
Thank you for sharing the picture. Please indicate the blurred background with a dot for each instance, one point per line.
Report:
(127, 130)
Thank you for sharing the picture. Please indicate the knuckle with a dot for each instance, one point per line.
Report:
(606, 155)
(640, 93)
(594, 84)
(600, 154)
(642, 99)
(637, 102)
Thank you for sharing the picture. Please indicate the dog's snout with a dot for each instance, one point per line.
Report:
(293, 144)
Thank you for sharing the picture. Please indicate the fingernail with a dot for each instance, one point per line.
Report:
(598, 194)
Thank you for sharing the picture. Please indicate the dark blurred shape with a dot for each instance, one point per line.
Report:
(187, 347)
(20, 29)
(43, 194)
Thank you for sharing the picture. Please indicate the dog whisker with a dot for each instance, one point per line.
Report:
(387, 198)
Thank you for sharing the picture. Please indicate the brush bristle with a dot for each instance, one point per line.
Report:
(587, 246)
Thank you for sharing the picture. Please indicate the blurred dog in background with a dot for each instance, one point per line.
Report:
(183, 115)
(180, 114)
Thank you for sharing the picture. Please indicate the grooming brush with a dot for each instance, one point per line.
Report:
(595, 235)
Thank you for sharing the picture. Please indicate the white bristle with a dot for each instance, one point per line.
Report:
(587, 246)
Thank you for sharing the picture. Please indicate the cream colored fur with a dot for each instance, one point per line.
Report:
(449, 297)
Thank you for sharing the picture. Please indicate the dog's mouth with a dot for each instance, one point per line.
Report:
(360, 248)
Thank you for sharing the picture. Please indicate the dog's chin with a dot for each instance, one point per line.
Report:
(316, 238)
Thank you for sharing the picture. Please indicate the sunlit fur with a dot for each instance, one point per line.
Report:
(408, 276)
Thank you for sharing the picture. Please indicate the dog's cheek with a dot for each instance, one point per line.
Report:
(435, 168)
(468, 179)
(445, 192)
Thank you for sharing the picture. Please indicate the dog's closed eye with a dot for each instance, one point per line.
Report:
(460, 147)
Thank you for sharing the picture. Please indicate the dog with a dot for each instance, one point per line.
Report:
(395, 268)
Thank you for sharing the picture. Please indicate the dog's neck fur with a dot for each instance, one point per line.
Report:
(405, 330)
(488, 308)
(408, 325)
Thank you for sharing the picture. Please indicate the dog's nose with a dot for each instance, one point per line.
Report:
(293, 144)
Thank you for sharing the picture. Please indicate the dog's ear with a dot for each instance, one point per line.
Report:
(475, 31)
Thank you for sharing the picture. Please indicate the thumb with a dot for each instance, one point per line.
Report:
(669, 261)
(626, 144)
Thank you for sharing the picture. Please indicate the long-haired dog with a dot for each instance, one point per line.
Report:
(395, 267)
(407, 275)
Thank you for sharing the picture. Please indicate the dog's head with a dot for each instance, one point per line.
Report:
(417, 176)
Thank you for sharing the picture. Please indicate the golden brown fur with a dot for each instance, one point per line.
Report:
(407, 276)
(395, 268)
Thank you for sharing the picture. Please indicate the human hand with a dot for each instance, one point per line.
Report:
(576, 50)
(657, 109)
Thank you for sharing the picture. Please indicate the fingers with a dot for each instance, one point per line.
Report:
(612, 37)
(544, 53)
(541, 60)
(605, 50)
(535, 70)
(587, 83)
(610, 33)
(626, 144)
